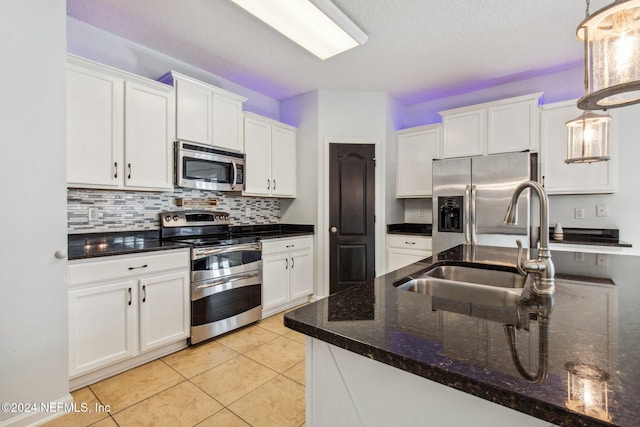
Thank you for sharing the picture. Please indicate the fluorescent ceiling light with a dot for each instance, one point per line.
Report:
(316, 25)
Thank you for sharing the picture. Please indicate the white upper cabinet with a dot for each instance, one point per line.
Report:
(575, 178)
(417, 147)
(119, 129)
(95, 127)
(206, 114)
(508, 125)
(270, 149)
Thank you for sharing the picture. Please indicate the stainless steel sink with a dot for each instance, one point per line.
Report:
(480, 276)
(452, 285)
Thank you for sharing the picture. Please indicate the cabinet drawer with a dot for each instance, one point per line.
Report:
(123, 266)
(410, 242)
(271, 246)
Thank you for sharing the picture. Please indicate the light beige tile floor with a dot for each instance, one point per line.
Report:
(252, 377)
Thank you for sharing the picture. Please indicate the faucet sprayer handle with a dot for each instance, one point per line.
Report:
(519, 261)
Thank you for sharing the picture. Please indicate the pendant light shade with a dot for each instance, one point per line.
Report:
(588, 138)
(611, 39)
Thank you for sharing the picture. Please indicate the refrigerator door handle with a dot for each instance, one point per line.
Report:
(467, 214)
(474, 190)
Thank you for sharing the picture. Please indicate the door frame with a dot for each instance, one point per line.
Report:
(323, 233)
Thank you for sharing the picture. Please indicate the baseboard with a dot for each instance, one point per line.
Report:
(37, 417)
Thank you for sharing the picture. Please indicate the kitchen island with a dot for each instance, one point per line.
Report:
(380, 355)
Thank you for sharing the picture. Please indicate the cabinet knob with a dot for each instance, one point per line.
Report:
(60, 254)
(333, 229)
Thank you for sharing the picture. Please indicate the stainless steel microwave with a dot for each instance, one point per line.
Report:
(207, 168)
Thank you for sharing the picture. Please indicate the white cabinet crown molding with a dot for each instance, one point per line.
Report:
(169, 79)
(268, 120)
(529, 97)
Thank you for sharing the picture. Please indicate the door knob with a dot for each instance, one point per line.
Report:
(333, 229)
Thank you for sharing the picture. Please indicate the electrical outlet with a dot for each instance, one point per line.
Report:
(421, 212)
(247, 212)
(602, 260)
(578, 256)
(579, 213)
(601, 210)
(94, 214)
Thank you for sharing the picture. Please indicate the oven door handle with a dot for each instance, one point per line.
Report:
(228, 279)
(201, 253)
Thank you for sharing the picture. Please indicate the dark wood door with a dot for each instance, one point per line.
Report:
(351, 215)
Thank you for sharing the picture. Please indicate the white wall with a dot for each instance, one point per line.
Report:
(98, 45)
(33, 292)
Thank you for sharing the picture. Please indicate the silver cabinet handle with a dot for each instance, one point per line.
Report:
(129, 296)
(274, 184)
(268, 184)
(115, 169)
(144, 293)
(129, 166)
(409, 243)
(137, 268)
(292, 263)
(286, 263)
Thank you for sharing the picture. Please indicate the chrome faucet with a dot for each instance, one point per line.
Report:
(542, 267)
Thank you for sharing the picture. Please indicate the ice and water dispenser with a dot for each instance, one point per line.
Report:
(450, 214)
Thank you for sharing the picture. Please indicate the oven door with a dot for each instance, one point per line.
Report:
(218, 261)
(223, 304)
(208, 169)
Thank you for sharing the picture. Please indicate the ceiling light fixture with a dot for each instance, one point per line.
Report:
(588, 138)
(316, 25)
(611, 55)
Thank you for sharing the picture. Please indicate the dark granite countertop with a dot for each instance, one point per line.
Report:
(595, 321)
(590, 236)
(93, 245)
(410, 229)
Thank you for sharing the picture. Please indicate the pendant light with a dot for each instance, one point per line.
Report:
(611, 39)
(588, 138)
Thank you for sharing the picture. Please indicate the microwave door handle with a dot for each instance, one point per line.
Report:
(235, 174)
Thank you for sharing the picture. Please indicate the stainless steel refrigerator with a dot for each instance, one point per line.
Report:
(470, 199)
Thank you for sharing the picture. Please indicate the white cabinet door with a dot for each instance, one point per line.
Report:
(164, 309)
(403, 250)
(257, 148)
(102, 325)
(301, 274)
(270, 149)
(416, 150)
(283, 162)
(227, 123)
(464, 134)
(194, 105)
(149, 130)
(275, 280)
(94, 128)
(513, 127)
(576, 178)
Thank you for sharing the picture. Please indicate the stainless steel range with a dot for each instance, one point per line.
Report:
(226, 272)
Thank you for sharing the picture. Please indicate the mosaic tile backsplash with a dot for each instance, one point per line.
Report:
(139, 210)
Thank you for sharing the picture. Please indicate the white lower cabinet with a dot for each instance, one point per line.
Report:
(287, 273)
(403, 250)
(123, 306)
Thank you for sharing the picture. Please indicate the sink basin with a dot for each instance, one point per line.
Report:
(480, 276)
(469, 290)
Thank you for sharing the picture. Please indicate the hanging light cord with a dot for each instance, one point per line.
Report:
(586, 12)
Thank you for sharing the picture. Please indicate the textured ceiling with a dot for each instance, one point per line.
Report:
(417, 49)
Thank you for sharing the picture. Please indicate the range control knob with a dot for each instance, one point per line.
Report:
(167, 218)
(176, 217)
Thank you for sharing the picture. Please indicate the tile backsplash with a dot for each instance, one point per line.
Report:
(139, 210)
